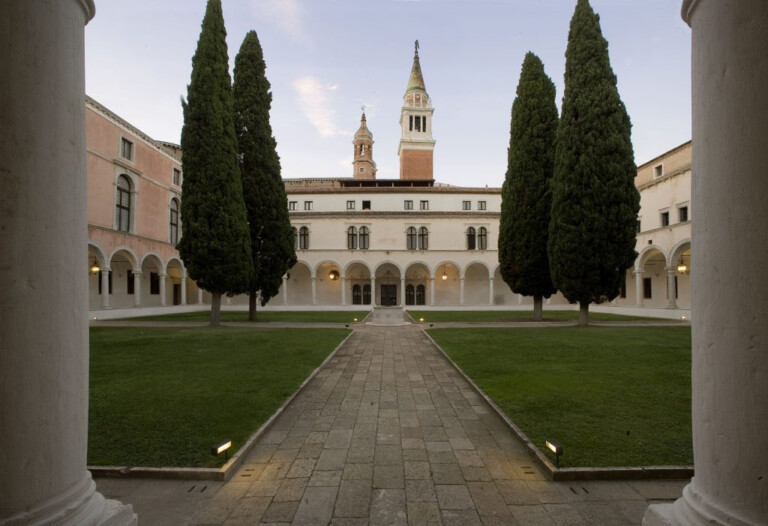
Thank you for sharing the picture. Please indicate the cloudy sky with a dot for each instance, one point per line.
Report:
(327, 58)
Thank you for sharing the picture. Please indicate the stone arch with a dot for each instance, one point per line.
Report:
(128, 253)
(682, 280)
(149, 256)
(328, 289)
(95, 254)
(678, 249)
(477, 283)
(358, 283)
(447, 291)
(647, 253)
(299, 284)
(325, 262)
(350, 265)
(476, 262)
(651, 273)
(122, 263)
(388, 290)
(175, 281)
(98, 253)
(387, 262)
(418, 283)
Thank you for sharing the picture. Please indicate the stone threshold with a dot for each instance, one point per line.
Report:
(226, 471)
(570, 474)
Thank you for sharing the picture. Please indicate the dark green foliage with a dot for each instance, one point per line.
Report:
(215, 245)
(526, 195)
(263, 189)
(594, 199)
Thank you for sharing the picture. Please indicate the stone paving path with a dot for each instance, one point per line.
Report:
(389, 434)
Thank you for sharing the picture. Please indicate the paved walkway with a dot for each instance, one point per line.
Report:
(388, 433)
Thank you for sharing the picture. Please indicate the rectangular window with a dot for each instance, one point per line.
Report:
(658, 170)
(683, 213)
(423, 205)
(410, 121)
(407, 204)
(481, 205)
(129, 283)
(637, 226)
(665, 218)
(362, 169)
(154, 283)
(350, 205)
(176, 176)
(307, 205)
(366, 205)
(126, 149)
(466, 205)
(418, 123)
(647, 291)
(292, 205)
(424, 124)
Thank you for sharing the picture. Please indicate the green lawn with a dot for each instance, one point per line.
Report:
(164, 396)
(611, 396)
(284, 316)
(438, 316)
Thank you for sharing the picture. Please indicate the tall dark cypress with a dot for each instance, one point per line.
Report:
(526, 198)
(215, 244)
(594, 199)
(272, 243)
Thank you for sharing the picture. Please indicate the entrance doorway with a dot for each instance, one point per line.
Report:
(388, 295)
(177, 294)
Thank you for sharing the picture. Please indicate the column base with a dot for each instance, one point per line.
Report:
(691, 510)
(81, 505)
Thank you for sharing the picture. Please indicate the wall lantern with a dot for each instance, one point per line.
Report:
(94, 267)
(556, 448)
(444, 276)
(221, 447)
(682, 268)
(333, 275)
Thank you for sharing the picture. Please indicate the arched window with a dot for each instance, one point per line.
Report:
(174, 237)
(482, 238)
(304, 238)
(366, 294)
(295, 235)
(471, 238)
(410, 238)
(409, 293)
(357, 295)
(423, 238)
(123, 204)
(351, 238)
(363, 238)
(420, 294)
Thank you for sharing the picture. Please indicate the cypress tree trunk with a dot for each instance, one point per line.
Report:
(215, 308)
(252, 305)
(537, 307)
(583, 313)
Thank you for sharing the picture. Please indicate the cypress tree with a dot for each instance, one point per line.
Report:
(594, 199)
(526, 198)
(263, 189)
(215, 245)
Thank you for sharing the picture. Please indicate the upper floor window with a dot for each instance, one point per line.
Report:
(292, 205)
(471, 238)
(423, 205)
(466, 205)
(363, 238)
(407, 204)
(423, 238)
(295, 234)
(123, 204)
(176, 176)
(351, 238)
(638, 226)
(410, 238)
(350, 205)
(362, 169)
(366, 205)
(665, 218)
(683, 213)
(304, 238)
(174, 237)
(481, 205)
(126, 149)
(482, 238)
(658, 170)
(307, 205)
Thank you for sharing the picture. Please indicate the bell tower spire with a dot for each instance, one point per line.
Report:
(364, 167)
(416, 142)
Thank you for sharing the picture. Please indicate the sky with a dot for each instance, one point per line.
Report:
(328, 58)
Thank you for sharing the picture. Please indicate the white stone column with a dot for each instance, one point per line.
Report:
(490, 293)
(199, 296)
(373, 290)
(461, 291)
(285, 289)
(162, 289)
(729, 282)
(314, 290)
(43, 322)
(402, 292)
(343, 290)
(671, 273)
(638, 288)
(104, 276)
(184, 288)
(137, 289)
(432, 291)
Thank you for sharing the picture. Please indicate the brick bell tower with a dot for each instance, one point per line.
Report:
(364, 167)
(416, 142)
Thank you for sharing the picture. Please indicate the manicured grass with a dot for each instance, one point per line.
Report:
(611, 396)
(438, 316)
(164, 396)
(284, 316)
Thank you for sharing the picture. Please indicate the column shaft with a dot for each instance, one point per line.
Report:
(432, 291)
(183, 290)
(285, 290)
(671, 300)
(137, 289)
(490, 292)
(162, 289)
(639, 288)
(105, 287)
(343, 290)
(314, 290)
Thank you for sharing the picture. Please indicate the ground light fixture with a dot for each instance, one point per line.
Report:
(556, 448)
(421, 320)
(221, 447)
(355, 319)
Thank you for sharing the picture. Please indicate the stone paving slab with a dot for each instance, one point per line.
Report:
(389, 433)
